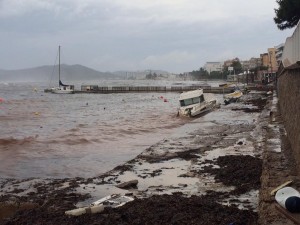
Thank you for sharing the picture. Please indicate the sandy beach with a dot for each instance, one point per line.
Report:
(213, 175)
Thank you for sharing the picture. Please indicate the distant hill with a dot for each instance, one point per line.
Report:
(49, 73)
(139, 74)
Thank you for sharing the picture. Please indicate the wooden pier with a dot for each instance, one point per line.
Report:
(94, 89)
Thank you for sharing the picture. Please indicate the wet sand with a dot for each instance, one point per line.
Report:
(209, 176)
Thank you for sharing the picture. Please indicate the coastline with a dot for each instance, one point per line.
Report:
(219, 165)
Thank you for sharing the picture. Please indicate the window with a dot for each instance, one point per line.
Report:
(191, 101)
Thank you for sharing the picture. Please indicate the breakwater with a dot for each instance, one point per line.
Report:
(129, 89)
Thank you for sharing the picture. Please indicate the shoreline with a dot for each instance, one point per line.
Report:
(185, 167)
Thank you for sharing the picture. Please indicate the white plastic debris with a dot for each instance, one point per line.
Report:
(85, 210)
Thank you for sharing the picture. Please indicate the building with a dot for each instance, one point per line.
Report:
(272, 66)
(278, 53)
(213, 66)
(229, 62)
(269, 61)
(251, 63)
(264, 58)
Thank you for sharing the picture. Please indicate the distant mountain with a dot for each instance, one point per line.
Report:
(139, 74)
(69, 73)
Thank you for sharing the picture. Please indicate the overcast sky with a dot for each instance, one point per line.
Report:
(111, 35)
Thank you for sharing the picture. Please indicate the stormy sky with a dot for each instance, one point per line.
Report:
(110, 35)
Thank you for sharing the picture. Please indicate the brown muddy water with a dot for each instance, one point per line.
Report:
(80, 135)
(201, 171)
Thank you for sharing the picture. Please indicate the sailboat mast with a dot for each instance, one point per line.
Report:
(59, 64)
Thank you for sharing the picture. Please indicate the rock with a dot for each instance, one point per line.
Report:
(128, 185)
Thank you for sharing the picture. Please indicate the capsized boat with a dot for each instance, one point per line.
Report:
(113, 201)
(194, 103)
(233, 97)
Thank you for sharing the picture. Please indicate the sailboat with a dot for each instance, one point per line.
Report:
(62, 88)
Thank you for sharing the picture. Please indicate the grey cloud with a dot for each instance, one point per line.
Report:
(172, 35)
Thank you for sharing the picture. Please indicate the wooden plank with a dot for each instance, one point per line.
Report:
(280, 186)
(287, 214)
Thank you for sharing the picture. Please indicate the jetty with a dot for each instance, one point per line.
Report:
(95, 89)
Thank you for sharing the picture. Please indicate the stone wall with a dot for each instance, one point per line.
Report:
(289, 102)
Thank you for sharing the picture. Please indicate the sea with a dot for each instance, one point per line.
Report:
(81, 135)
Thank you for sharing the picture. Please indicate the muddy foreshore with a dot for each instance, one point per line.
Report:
(212, 175)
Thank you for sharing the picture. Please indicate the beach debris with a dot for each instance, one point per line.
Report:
(8, 209)
(128, 184)
(288, 198)
(113, 201)
(287, 214)
(196, 103)
(280, 186)
(85, 210)
(233, 97)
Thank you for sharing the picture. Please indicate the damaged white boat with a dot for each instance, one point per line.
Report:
(233, 97)
(113, 201)
(194, 103)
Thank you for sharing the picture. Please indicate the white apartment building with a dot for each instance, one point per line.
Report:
(279, 51)
(213, 66)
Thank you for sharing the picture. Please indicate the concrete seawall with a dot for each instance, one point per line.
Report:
(289, 88)
(282, 164)
(289, 93)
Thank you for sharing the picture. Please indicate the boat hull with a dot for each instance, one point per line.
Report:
(232, 97)
(62, 91)
(195, 103)
(197, 109)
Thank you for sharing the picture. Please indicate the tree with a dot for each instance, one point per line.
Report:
(237, 66)
(151, 76)
(199, 74)
(215, 75)
(288, 13)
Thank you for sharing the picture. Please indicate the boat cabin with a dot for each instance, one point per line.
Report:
(193, 103)
(191, 97)
(68, 87)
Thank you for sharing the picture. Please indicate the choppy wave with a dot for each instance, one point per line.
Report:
(15, 141)
(61, 130)
(68, 141)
